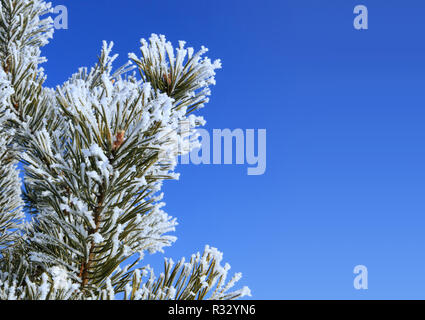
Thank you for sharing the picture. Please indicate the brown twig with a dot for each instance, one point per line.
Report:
(86, 265)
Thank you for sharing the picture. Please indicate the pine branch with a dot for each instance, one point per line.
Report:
(10, 194)
(203, 277)
(96, 152)
(22, 34)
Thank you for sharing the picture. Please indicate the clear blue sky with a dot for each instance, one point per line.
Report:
(344, 112)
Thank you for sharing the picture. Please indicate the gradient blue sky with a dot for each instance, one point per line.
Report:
(344, 112)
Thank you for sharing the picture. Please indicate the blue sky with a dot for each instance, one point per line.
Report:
(344, 112)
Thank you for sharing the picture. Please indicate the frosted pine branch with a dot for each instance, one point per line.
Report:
(202, 277)
(96, 151)
(10, 184)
